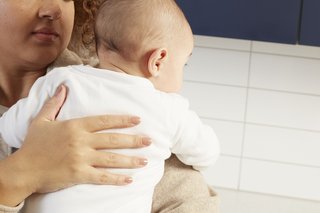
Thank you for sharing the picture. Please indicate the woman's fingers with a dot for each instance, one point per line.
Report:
(73, 148)
(118, 141)
(103, 159)
(106, 178)
(103, 122)
(52, 106)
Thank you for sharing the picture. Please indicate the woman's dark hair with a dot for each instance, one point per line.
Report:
(83, 40)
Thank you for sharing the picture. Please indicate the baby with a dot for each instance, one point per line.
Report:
(142, 47)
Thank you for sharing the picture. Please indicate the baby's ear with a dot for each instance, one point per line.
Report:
(157, 60)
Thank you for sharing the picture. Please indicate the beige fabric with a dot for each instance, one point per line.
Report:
(183, 190)
(66, 58)
(5, 209)
(4, 149)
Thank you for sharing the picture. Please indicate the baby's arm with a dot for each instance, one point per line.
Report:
(15, 122)
(196, 143)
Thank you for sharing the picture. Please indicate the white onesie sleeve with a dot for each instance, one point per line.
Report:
(196, 144)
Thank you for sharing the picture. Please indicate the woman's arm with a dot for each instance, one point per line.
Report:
(58, 154)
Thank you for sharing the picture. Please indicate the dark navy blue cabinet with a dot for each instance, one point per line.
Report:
(283, 21)
(310, 23)
(264, 20)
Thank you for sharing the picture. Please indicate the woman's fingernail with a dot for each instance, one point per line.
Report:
(59, 89)
(146, 141)
(128, 180)
(135, 120)
(143, 162)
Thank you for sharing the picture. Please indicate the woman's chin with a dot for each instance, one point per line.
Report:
(45, 58)
(41, 62)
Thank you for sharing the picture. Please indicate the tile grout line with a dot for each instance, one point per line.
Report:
(260, 124)
(271, 161)
(283, 127)
(283, 162)
(270, 195)
(245, 118)
(254, 88)
(224, 49)
(286, 92)
(257, 51)
(287, 55)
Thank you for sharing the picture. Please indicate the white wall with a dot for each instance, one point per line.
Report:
(263, 100)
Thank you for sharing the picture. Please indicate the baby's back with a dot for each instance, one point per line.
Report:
(96, 92)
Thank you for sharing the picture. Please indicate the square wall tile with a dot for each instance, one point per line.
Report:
(285, 73)
(233, 201)
(286, 49)
(218, 66)
(283, 145)
(213, 101)
(222, 43)
(225, 173)
(229, 135)
(280, 179)
(283, 109)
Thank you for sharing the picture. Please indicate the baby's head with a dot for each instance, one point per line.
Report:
(148, 38)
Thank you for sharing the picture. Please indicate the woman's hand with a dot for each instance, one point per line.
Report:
(58, 154)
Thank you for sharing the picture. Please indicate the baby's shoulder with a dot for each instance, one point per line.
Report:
(57, 71)
(175, 102)
(62, 73)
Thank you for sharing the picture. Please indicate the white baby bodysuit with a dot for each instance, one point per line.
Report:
(165, 118)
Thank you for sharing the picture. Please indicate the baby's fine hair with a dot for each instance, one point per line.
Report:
(128, 26)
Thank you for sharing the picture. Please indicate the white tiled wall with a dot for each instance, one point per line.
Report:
(263, 100)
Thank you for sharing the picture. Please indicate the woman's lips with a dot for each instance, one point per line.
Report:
(46, 35)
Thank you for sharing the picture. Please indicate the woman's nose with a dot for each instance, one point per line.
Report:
(50, 9)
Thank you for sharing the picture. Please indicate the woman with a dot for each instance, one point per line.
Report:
(55, 154)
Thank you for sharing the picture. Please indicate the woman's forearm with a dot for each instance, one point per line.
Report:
(14, 186)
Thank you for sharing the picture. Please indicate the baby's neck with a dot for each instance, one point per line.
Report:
(111, 60)
(130, 69)
(111, 67)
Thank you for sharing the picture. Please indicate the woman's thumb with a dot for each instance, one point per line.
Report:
(52, 106)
